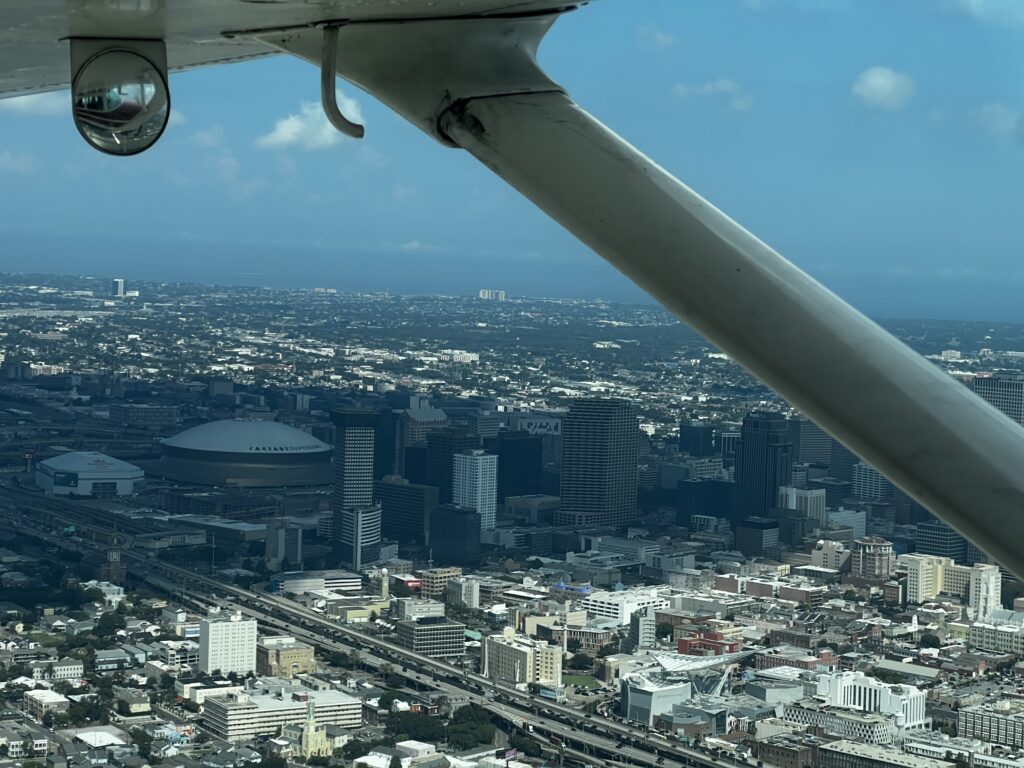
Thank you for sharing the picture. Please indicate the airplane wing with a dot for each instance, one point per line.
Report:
(34, 54)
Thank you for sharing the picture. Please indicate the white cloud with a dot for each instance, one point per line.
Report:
(16, 163)
(883, 88)
(414, 246)
(177, 118)
(402, 192)
(737, 98)
(54, 103)
(991, 11)
(210, 138)
(309, 129)
(655, 37)
(1002, 121)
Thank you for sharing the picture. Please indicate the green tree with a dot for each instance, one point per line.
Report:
(526, 745)
(607, 650)
(581, 661)
(929, 640)
(396, 762)
(143, 741)
(353, 749)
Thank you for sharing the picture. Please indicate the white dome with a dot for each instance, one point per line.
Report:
(250, 436)
(91, 462)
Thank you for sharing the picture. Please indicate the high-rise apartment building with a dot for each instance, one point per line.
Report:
(600, 444)
(475, 485)
(925, 575)
(764, 461)
(872, 558)
(117, 288)
(518, 659)
(1004, 392)
(980, 586)
(227, 643)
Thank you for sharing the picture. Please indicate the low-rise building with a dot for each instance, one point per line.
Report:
(284, 656)
(411, 608)
(435, 580)
(850, 754)
(619, 606)
(438, 638)
(646, 695)
(998, 723)
(247, 716)
(869, 728)
(44, 701)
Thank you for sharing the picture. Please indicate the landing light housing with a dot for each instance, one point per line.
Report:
(120, 100)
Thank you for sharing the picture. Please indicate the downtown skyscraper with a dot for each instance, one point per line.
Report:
(764, 461)
(600, 445)
(357, 520)
(475, 485)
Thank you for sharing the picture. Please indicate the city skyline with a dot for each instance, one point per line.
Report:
(883, 147)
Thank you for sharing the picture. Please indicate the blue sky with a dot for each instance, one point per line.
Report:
(879, 144)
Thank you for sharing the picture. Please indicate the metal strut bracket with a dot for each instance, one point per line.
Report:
(328, 94)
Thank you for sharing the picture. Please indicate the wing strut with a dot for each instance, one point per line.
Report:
(475, 84)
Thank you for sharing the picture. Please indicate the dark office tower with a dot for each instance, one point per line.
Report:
(460, 542)
(728, 439)
(353, 458)
(599, 463)
(756, 535)
(520, 462)
(841, 461)
(764, 461)
(405, 508)
(934, 537)
(715, 498)
(442, 445)
(416, 464)
(909, 511)
(384, 438)
(836, 491)
(1004, 392)
(697, 438)
(811, 443)
(356, 518)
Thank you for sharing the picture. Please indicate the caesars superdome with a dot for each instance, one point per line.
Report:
(246, 452)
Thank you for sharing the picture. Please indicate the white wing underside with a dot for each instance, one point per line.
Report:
(33, 33)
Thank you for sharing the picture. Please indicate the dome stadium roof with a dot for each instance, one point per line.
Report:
(249, 436)
(89, 461)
